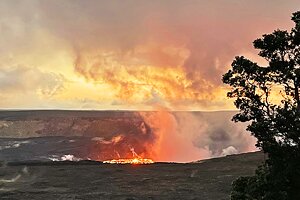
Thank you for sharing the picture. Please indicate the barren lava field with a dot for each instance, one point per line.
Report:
(210, 179)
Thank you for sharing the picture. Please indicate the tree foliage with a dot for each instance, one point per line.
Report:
(268, 98)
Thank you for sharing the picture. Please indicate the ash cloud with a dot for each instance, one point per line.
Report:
(207, 31)
(215, 133)
(119, 42)
(190, 136)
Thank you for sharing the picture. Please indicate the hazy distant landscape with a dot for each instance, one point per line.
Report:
(103, 135)
(38, 123)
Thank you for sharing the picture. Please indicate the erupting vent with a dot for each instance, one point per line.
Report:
(134, 161)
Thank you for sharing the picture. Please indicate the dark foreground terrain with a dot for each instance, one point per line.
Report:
(210, 179)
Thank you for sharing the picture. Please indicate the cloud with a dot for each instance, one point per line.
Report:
(217, 132)
(188, 136)
(27, 87)
(179, 49)
(124, 43)
(24, 79)
(229, 151)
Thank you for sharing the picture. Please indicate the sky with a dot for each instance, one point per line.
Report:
(129, 54)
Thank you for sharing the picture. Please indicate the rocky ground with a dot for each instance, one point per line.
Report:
(210, 179)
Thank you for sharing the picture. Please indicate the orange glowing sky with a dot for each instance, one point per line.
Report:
(129, 54)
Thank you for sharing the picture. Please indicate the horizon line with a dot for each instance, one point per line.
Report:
(109, 110)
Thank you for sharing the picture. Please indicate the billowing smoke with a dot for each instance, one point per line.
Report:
(169, 53)
(160, 135)
(175, 49)
(188, 136)
(173, 136)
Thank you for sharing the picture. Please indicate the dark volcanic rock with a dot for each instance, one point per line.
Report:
(207, 180)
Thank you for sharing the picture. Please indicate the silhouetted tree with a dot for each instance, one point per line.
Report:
(268, 98)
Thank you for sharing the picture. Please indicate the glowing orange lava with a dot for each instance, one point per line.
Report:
(134, 161)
